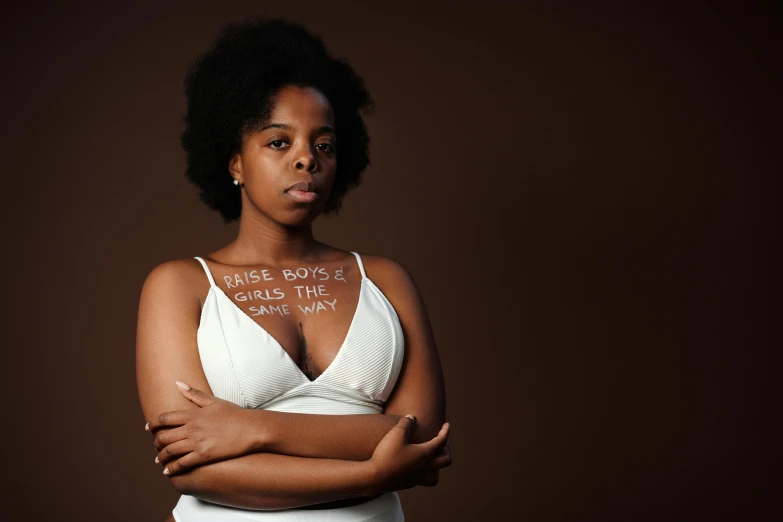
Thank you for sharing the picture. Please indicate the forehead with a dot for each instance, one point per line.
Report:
(301, 104)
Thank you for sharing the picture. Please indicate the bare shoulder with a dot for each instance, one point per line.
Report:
(394, 280)
(186, 269)
(185, 277)
(383, 270)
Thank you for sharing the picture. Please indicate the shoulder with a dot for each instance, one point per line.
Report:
(176, 279)
(394, 280)
(385, 271)
(175, 272)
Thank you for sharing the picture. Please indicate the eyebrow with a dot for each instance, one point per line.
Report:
(285, 126)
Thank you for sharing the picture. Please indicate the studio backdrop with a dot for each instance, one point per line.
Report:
(578, 193)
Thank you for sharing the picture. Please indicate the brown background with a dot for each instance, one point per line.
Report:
(582, 196)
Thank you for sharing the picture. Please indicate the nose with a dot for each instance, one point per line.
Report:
(305, 160)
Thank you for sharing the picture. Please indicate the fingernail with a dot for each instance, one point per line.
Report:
(156, 460)
(147, 426)
(183, 385)
(166, 471)
(411, 417)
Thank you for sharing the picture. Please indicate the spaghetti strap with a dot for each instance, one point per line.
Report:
(361, 266)
(206, 269)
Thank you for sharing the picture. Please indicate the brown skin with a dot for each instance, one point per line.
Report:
(260, 459)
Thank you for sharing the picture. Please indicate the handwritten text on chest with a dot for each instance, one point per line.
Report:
(312, 295)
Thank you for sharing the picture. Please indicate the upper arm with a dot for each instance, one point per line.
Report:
(420, 389)
(166, 346)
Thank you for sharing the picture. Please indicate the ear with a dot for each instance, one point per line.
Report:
(235, 167)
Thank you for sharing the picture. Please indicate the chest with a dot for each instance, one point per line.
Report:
(309, 320)
(244, 364)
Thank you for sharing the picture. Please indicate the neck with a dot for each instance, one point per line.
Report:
(262, 241)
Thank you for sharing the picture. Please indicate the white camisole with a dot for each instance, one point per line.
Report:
(244, 364)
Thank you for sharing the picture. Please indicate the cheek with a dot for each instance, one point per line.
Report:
(263, 174)
(264, 193)
(262, 187)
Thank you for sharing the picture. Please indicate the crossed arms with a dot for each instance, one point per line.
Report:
(297, 459)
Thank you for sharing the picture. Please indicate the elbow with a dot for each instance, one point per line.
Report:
(424, 431)
(183, 484)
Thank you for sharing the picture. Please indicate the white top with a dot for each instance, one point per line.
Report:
(244, 364)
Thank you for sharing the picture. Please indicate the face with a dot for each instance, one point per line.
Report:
(288, 166)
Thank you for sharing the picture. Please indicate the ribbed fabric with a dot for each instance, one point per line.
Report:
(244, 364)
(386, 508)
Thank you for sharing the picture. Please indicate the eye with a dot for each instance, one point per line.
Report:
(276, 141)
(329, 148)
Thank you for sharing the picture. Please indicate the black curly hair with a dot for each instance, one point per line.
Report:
(230, 90)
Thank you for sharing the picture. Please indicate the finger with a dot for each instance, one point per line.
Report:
(166, 437)
(174, 451)
(189, 461)
(405, 425)
(446, 448)
(171, 419)
(435, 445)
(195, 396)
(446, 452)
(441, 461)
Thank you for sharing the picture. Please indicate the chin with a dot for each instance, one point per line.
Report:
(299, 217)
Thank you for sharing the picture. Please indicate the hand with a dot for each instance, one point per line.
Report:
(430, 478)
(216, 431)
(400, 465)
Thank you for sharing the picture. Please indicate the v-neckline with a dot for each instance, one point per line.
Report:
(280, 346)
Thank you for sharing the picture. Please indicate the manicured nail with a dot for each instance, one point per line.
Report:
(183, 385)
(147, 426)
(156, 460)
(166, 471)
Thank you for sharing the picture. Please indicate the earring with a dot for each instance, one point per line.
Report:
(236, 182)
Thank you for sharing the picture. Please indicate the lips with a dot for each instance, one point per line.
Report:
(302, 186)
(303, 192)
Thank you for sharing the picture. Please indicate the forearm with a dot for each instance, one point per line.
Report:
(346, 437)
(265, 481)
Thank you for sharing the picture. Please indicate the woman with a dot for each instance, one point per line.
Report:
(276, 373)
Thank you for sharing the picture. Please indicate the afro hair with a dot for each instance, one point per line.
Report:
(230, 91)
